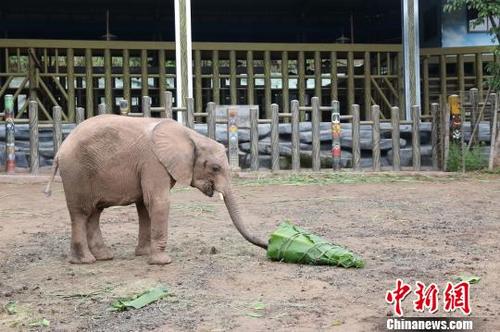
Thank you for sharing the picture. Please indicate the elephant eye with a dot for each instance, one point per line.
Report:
(215, 168)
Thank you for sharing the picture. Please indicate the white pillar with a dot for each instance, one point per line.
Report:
(183, 53)
(411, 55)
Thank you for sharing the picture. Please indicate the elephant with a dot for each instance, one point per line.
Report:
(112, 160)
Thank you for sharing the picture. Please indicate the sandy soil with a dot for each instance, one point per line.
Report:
(412, 228)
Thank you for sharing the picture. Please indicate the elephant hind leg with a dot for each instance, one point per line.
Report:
(94, 238)
(80, 253)
(144, 239)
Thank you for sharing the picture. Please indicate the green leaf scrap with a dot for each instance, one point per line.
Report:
(40, 323)
(469, 278)
(141, 300)
(11, 308)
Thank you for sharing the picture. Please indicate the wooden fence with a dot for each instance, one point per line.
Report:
(85, 74)
(472, 110)
(167, 111)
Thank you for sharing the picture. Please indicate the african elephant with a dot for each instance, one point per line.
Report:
(111, 160)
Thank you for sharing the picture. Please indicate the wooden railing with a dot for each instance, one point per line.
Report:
(87, 73)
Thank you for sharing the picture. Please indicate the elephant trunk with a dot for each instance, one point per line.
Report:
(232, 208)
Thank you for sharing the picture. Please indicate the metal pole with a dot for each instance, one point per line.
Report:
(183, 56)
(411, 53)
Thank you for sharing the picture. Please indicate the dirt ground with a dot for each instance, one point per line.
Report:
(415, 228)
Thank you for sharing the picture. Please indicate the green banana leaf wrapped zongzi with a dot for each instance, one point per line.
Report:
(292, 244)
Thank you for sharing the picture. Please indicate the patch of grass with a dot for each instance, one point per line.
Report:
(473, 159)
(337, 178)
(195, 209)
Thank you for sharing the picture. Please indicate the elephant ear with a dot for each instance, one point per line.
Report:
(174, 148)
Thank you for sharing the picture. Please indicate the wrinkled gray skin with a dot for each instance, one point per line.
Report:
(111, 160)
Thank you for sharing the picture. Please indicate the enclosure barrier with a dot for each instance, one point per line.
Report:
(485, 108)
(69, 73)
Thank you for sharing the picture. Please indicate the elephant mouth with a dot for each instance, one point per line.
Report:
(208, 189)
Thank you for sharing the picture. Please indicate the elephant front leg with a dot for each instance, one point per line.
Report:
(144, 240)
(158, 211)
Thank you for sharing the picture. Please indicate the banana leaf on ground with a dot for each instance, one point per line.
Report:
(292, 244)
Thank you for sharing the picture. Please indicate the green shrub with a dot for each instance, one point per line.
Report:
(474, 160)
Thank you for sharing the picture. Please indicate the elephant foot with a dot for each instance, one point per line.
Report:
(159, 258)
(102, 254)
(87, 259)
(142, 250)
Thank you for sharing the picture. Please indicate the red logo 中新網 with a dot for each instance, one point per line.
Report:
(427, 297)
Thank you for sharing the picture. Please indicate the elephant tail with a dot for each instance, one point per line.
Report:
(55, 166)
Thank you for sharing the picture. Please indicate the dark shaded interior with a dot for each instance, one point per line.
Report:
(304, 21)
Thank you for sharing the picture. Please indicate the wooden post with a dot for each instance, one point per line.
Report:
(33, 125)
(416, 137)
(494, 132)
(479, 74)
(275, 147)
(460, 72)
(376, 138)
(302, 79)
(232, 137)
(317, 75)
(442, 76)
(250, 78)
(350, 79)
(446, 135)
(215, 75)
(295, 135)
(434, 135)
(70, 68)
(144, 72)
(190, 113)
(80, 115)
(474, 100)
(425, 70)
(126, 74)
(401, 85)
(462, 136)
(336, 136)
(124, 110)
(396, 161)
(32, 74)
(89, 83)
(168, 105)
(284, 86)
(356, 151)
(211, 124)
(333, 76)
(197, 81)
(146, 106)
(232, 77)
(367, 83)
(108, 88)
(57, 129)
(10, 139)
(254, 139)
(315, 119)
(101, 109)
(267, 84)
